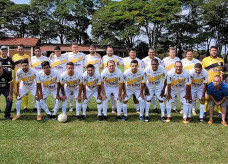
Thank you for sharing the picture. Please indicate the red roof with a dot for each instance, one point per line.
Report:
(30, 42)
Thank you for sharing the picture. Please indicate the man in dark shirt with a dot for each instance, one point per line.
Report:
(225, 79)
(217, 91)
(7, 62)
(6, 88)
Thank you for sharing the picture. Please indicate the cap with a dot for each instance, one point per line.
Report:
(4, 47)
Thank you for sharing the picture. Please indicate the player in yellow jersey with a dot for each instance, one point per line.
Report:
(17, 64)
(213, 64)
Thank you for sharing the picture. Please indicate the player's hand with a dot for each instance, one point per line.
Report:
(169, 97)
(147, 93)
(58, 97)
(124, 95)
(99, 97)
(104, 97)
(40, 96)
(202, 100)
(162, 93)
(119, 98)
(79, 99)
(64, 97)
(84, 97)
(218, 103)
(141, 95)
(37, 97)
(10, 97)
(17, 95)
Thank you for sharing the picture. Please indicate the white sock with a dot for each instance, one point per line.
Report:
(154, 102)
(71, 100)
(99, 108)
(141, 104)
(18, 106)
(44, 106)
(162, 106)
(119, 107)
(38, 107)
(113, 102)
(168, 108)
(105, 107)
(201, 110)
(64, 106)
(185, 109)
(78, 108)
(84, 107)
(175, 103)
(56, 108)
(137, 107)
(194, 105)
(125, 109)
(147, 108)
(189, 110)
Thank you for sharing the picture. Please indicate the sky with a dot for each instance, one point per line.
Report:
(21, 1)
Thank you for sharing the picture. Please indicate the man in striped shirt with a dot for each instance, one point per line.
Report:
(217, 91)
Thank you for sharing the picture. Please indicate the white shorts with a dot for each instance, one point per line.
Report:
(197, 93)
(68, 92)
(130, 93)
(110, 90)
(46, 93)
(24, 90)
(154, 93)
(90, 93)
(181, 93)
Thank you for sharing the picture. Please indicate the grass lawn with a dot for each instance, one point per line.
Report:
(28, 141)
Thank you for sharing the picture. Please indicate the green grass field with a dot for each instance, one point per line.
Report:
(29, 141)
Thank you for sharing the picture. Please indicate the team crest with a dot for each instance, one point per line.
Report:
(3, 79)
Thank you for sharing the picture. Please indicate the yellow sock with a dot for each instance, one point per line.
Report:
(219, 109)
(206, 105)
(26, 101)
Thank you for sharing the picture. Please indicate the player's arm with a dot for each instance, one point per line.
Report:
(203, 99)
(58, 89)
(103, 91)
(63, 92)
(163, 89)
(84, 92)
(120, 91)
(79, 92)
(10, 97)
(212, 99)
(188, 95)
(169, 97)
(99, 92)
(142, 87)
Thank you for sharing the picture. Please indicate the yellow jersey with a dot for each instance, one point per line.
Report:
(17, 61)
(213, 66)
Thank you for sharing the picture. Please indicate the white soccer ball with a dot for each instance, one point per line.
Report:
(62, 118)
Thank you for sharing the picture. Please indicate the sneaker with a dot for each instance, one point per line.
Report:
(168, 119)
(141, 118)
(163, 119)
(220, 115)
(99, 118)
(138, 111)
(53, 117)
(34, 109)
(83, 117)
(71, 109)
(38, 117)
(156, 110)
(194, 112)
(147, 119)
(16, 117)
(124, 118)
(8, 118)
(185, 121)
(118, 118)
(210, 121)
(189, 119)
(113, 110)
(48, 117)
(78, 118)
(105, 118)
(204, 114)
(202, 121)
(25, 110)
(224, 123)
(175, 111)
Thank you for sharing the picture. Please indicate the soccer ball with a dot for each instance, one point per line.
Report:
(62, 118)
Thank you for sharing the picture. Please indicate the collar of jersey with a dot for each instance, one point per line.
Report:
(93, 55)
(3, 57)
(189, 60)
(69, 75)
(135, 72)
(179, 73)
(171, 58)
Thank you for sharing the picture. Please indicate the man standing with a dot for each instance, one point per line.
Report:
(147, 62)
(168, 63)
(92, 87)
(6, 88)
(188, 64)
(111, 83)
(217, 91)
(199, 79)
(26, 82)
(134, 79)
(154, 75)
(17, 64)
(179, 83)
(213, 64)
(7, 62)
(71, 81)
